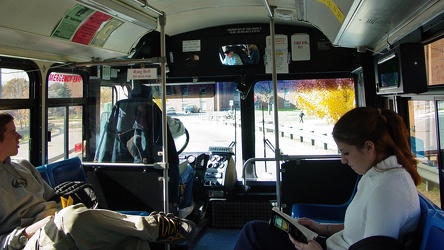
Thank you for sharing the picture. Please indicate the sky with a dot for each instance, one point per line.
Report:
(8, 74)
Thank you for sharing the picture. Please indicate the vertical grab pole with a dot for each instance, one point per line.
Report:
(277, 152)
(162, 21)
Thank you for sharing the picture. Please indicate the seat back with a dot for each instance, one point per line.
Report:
(44, 174)
(431, 225)
(324, 213)
(433, 237)
(133, 134)
(66, 170)
(126, 187)
(323, 181)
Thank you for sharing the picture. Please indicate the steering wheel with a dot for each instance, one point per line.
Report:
(182, 141)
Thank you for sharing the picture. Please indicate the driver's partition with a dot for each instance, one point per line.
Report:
(132, 187)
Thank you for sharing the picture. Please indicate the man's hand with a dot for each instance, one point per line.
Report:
(32, 229)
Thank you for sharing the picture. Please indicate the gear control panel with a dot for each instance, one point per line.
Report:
(220, 172)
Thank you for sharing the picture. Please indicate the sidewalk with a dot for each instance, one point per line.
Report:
(317, 126)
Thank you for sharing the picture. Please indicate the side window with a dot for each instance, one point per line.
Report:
(434, 58)
(15, 86)
(424, 143)
(22, 125)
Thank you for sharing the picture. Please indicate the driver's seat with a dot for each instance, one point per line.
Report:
(133, 134)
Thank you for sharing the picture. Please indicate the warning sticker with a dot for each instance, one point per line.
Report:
(89, 28)
(334, 9)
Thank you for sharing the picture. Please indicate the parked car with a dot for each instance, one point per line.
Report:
(171, 111)
(192, 109)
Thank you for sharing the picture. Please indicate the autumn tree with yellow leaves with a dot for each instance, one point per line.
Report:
(327, 99)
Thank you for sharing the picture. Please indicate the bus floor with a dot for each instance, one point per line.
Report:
(216, 239)
(209, 237)
(205, 238)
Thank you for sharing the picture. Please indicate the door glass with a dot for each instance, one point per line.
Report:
(307, 111)
(65, 125)
(63, 85)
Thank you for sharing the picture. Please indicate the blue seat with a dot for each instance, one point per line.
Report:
(428, 236)
(71, 170)
(66, 170)
(300, 175)
(431, 225)
(324, 213)
(44, 174)
(140, 213)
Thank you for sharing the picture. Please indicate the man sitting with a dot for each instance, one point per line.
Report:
(30, 217)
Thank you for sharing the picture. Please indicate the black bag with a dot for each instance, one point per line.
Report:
(79, 191)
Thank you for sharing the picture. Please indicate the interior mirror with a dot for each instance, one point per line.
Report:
(239, 54)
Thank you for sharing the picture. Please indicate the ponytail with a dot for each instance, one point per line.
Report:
(385, 129)
(401, 146)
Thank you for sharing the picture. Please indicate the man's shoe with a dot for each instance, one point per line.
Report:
(172, 229)
(184, 212)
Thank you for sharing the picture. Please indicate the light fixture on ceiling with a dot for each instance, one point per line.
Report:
(284, 14)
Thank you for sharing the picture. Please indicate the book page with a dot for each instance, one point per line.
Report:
(307, 232)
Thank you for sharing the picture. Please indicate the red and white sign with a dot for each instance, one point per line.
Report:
(300, 47)
(55, 77)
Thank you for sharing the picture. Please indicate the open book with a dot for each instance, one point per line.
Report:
(290, 225)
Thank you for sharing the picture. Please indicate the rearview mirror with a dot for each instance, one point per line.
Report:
(239, 54)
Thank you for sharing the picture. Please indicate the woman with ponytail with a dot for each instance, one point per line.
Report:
(375, 144)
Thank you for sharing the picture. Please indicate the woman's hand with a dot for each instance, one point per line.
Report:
(311, 245)
(311, 224)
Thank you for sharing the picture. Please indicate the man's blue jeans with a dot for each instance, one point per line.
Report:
(187, 178)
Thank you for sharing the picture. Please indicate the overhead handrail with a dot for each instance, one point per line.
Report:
(153, 60)
(146, 5)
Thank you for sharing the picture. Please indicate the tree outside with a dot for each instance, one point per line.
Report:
(326, 99)
(264, 92)
(17, 88)
(59, 90)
